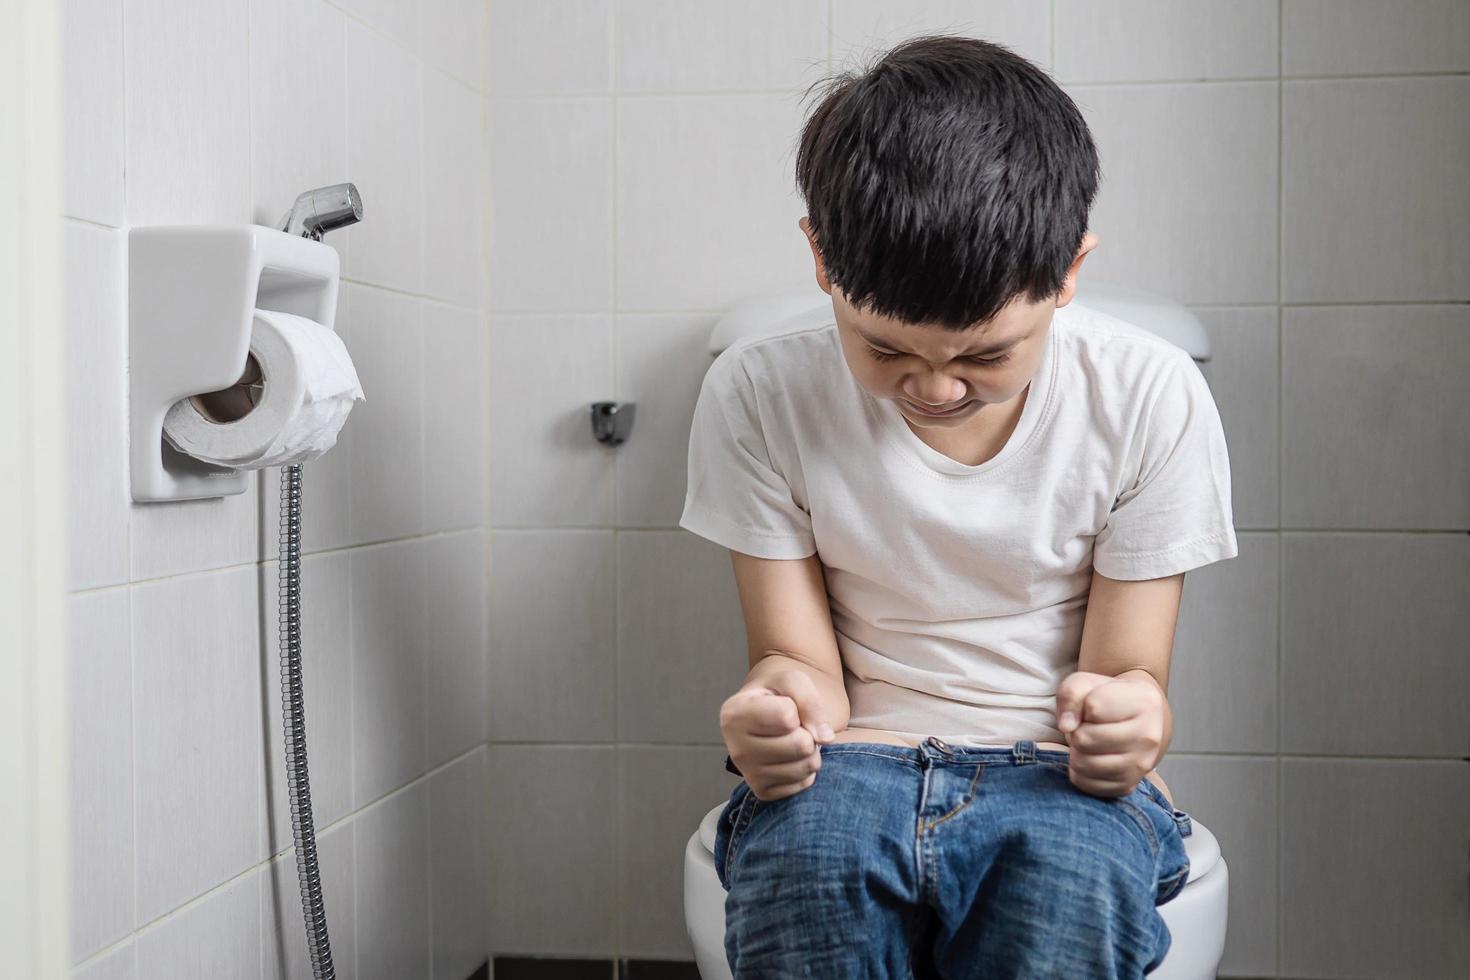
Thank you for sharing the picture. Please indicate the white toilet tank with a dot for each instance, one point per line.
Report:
(779, 312)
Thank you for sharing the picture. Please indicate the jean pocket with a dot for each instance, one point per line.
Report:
(1181, 818)
(1173, 826)
(734, 819)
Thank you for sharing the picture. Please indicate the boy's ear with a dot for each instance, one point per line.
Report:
(811, 240)
(1069, 286)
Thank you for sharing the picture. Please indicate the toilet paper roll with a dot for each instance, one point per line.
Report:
(307, 388)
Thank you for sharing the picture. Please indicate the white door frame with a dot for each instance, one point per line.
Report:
(34, 873)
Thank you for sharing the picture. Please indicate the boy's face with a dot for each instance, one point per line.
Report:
(926, 369)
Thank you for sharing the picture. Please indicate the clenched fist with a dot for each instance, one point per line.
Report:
(772, 732)
(1114, 728)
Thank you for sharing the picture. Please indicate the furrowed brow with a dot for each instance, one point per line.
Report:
(995, 348)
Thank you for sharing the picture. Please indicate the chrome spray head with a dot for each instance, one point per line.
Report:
(323, 209)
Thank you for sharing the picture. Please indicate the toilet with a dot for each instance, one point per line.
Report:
(1196, 917)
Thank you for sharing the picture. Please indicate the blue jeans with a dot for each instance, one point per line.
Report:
(948, 862)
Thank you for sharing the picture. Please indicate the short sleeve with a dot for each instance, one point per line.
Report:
(1177, 514)
(736, 497)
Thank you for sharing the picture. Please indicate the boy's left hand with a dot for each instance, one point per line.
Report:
(1114, 728)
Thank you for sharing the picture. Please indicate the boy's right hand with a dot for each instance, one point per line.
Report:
(772, 731)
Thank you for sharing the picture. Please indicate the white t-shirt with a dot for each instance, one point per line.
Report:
(958, 592)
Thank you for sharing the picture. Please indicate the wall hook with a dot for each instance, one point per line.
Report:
(612, 422)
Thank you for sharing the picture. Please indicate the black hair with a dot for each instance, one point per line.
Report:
(947, 179)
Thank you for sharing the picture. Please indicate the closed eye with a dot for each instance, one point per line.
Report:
(883, 355)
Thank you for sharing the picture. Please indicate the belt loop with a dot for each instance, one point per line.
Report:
(1023, 751)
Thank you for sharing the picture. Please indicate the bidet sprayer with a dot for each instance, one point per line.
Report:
(321, 210)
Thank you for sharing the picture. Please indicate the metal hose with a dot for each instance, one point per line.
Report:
(293, 719)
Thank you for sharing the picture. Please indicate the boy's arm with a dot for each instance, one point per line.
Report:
(788, 623)
(1128, 635)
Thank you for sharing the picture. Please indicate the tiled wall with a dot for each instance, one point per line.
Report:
(221, 111)
(1291, 170)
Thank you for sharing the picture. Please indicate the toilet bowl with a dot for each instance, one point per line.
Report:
(1196, 916)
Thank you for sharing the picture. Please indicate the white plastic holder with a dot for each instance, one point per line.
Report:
(192, 296)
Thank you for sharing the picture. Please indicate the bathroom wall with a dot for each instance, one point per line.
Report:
(221, 111)
(1290, 170)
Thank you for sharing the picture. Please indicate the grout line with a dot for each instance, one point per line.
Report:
(642, 529)
(1241, 528)
(305, 556)
(1052, 37)
(410, 293)
(617, 817)
(132, 768)
(1180, 754)
(78, 219)
(1280, 464)
(590, 313)
(582, 94)
(350, 15)
(262, 768)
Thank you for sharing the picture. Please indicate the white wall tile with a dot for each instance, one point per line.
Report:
(383, 331)
(1243, 374)
(1187, 204)
(1374, 417)
(393, 887)
(1373, 657)
(1222, 681)
(456, 469)
(1368, 37)
(552, 800)
(670, 45)
(679, 246)
(552, 205)
(298, 103)
(521, 31)
(100, 710)
(454, 38)
(284, 955)
(187, 87)
(196, 736)
(454, 644)
(662, 360)
(120, 964)
(681, 637)
(1373, 178)
(180, 536)
(1375, 878)
(388, 601)
(665, 792)
(219, 937)
(863, 29)
(98, 489)
(326, 669)
(398, 19)
(92, 120)
(546, 466)
(1235, 799)
(552, 622)
(1142, 40)
(384, 158)
(454, 165)
(457, 868)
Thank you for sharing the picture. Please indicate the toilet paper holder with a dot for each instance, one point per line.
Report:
(192, 296)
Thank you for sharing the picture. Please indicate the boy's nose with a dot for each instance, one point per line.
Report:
(938, 394)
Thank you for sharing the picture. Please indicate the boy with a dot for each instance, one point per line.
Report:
(960, 516)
